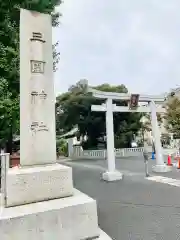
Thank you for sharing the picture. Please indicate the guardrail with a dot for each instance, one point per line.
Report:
(79, 153)
(129, 152)
(97, 154)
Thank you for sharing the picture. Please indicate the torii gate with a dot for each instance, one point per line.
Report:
(112, 174)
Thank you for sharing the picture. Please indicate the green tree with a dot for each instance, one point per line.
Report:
(61, 147)
(9, 61)
(172, 116)
(74, 108)
(146, 123)
(147, 126)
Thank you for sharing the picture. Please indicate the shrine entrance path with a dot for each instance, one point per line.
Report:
(134, 208)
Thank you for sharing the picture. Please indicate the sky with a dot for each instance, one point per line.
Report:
(131, 42)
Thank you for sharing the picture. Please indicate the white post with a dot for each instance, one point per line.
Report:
(4, 162)
(70, 147)
(111, 174)
(160, 165)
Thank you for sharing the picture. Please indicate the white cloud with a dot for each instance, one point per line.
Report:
(127, 41)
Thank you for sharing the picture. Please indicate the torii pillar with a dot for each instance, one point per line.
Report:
(160, 165)
(111, 174)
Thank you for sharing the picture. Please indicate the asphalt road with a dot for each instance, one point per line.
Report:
(133, 208)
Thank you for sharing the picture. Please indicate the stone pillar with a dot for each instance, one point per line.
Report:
(160, 165)
(111, 174)
(37, 99)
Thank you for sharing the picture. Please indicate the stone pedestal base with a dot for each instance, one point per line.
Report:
(112, 176)
(39, 183)
(161, 168)
(71, 218)
(103, 236)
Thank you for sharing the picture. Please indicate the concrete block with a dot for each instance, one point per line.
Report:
(112, 176)
(71, 218)
(40, 183)
(161, 168)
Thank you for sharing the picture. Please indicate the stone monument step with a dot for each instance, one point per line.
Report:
(33, 184)
(103, 236)
(72, 218)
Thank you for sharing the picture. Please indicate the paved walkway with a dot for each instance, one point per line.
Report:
(134, 208)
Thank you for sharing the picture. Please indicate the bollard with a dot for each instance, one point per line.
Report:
(153, 156)
(146, 169)
(178, 163)
(146, 157)
(169, 162)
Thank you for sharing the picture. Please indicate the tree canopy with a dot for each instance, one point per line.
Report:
(9, 60)
(74, 108)
(172, 116)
